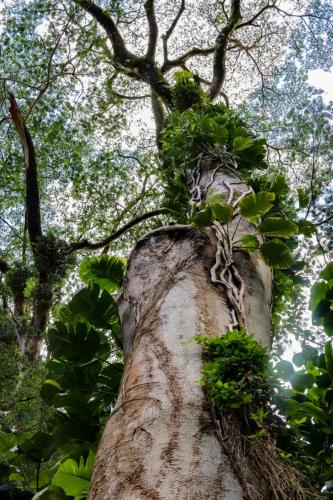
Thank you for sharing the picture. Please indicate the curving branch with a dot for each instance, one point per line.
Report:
(31, 174)
(169, 32)
(79, 245)
(258, 14)
(179, 61)
(153, 29)
(142, 68)
(120, 50)
(221, 46)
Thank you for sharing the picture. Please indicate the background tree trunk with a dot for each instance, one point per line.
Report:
(161, 442)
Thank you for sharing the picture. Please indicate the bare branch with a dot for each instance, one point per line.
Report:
(196, 51)
(325, 221)
(120, 50)
(140, 67)
(258, 14)
(167, 35)
(79, 245)
(31, 174)
(221, 45)
(153, 29)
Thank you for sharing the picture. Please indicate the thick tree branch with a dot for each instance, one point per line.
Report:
(79, 245)
(121, 52)
(142, 67)
(153, 29)
(159, 116)
(31, 174)
(221, 46)
(196, 51)
(169, 32)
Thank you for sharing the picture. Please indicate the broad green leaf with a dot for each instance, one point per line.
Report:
(302, 381)
(307, 228)
(329, 358)
(106, 271)
(241, 143)
(276, 254)
(39, 447)
(203, 218)
(49, 389)
(327, 272)
(308, 409)
(318, 293)
(285, 369)
(73, 343)
(97, 309)
(276, 226)
(219, 134)
(279, 185)
(209, 126)
(328, 323)
(303, 198)
(309, 353)
(256, 204)
(298, 359)
(73, 478)
(222, 212)
(249, 242)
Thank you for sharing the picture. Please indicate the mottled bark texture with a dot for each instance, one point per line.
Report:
(160, 441)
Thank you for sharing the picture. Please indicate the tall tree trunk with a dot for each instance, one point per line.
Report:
(160, 441)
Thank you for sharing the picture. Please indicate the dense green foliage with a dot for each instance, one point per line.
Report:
(236, 374)
(239, 378)
(80, 385)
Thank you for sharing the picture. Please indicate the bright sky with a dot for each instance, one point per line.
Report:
(323, 80)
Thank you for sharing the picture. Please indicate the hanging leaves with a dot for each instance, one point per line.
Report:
(276, 226)
(105, 271)
(256, 204)
(276, 254)
(249, 242)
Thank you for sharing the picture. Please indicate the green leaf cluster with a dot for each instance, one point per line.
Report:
(186, 93)
(308, 404)
(236, 373)
(82, 379)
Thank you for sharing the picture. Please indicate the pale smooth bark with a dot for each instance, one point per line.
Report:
(160, 441)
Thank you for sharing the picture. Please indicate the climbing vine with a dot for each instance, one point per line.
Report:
(214, 171)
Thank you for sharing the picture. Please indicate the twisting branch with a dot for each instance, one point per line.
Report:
(142, 68)
(167, 35)
(120, 50)
(258, 14)
(31, 174)
(79, 245)
(221, 46)
(153, 29)
(196, 51)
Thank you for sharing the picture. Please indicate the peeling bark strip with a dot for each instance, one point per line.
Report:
(31, 174)
(161, 442)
